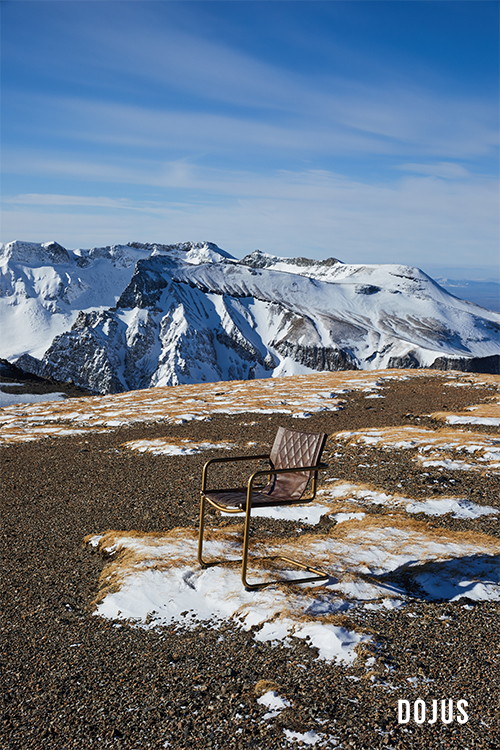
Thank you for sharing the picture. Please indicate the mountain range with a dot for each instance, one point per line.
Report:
(133, 316)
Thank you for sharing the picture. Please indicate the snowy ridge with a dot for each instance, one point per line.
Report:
(133, 316)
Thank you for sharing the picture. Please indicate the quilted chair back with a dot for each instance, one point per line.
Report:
(291, 449)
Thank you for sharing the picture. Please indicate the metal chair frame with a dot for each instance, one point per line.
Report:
(319, 575)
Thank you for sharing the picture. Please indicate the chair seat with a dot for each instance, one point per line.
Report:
(237, 498)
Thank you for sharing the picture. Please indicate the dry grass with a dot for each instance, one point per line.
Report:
(345, 551)
(460, 448)
(403, 436)
(352, 551)
(481, 411)
(264, 686)
(175, 404)
(359, 530)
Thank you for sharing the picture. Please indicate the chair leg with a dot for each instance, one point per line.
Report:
(319, 575)
(201, 561)
(200, 535)
(244, 561)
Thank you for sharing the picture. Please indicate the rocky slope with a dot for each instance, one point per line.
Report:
(73, 680)
(138, 315)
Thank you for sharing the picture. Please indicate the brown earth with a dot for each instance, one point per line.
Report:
(72, 680)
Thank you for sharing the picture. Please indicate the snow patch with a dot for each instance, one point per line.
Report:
(9, 399)
(169, 447)
(444, 448)
(153, 579)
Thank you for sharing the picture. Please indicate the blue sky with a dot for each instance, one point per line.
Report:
(367, 131)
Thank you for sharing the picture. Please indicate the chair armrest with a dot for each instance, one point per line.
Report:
(226, 460)
(295, 469)
(292, 470)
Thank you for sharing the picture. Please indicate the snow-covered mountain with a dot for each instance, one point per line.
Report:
(138, 315)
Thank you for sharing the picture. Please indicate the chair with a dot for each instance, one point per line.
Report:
(294, 460)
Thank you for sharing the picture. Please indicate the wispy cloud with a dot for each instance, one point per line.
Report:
(356, 123)
(40, 199)
(156, 122)
(395, 105)
(446, 170)
(412, 221)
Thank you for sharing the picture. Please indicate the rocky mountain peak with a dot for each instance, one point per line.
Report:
(133, 316)
(45, 253)
(258, 259)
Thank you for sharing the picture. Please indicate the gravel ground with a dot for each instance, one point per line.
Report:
(73, 680)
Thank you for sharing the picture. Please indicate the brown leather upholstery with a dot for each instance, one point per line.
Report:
(291, 449)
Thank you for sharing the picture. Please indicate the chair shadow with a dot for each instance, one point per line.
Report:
(440, 580)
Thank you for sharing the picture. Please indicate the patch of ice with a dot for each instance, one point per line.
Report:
(94, 540)
(476, 577)
(9, 399)
(162, 581)
(448, 464)
(443, 448)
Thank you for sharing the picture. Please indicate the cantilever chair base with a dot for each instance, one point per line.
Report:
(318, 575)
(248, 497)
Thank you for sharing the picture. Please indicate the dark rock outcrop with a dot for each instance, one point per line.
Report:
(317, 357)
(489, 365)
